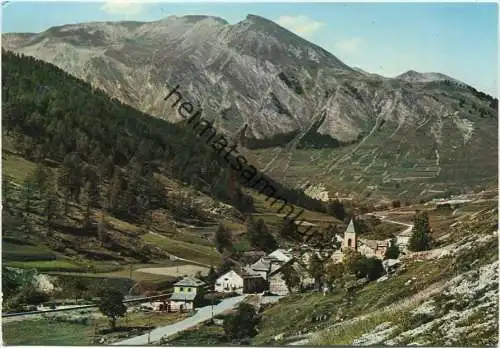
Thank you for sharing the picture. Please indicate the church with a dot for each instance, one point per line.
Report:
(367, 247)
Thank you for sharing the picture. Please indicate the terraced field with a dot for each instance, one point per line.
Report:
(389, 164)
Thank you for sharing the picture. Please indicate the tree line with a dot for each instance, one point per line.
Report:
(70, 122)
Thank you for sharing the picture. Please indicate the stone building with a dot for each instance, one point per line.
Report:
(366, 247)
(373, 248)
(271, 262)
(278, 285)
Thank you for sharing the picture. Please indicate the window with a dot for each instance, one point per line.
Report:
(349, 242)
(181, 289)
(189, 289)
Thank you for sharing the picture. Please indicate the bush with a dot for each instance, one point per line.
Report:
(392, 252)
(396, 204)
(32, 296)
(242, 324)
(362, 266)
(28, 296)
(354, 263)
(373, 268)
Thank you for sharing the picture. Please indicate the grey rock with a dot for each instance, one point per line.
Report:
(259, 74)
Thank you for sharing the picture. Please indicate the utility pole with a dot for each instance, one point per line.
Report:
(94, 336)
(149, 329)
(212, 307)
(130, 271)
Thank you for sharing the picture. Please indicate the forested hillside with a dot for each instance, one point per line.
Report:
(73, 156)
(52, 115)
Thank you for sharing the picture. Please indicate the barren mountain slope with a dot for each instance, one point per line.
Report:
(257, 73)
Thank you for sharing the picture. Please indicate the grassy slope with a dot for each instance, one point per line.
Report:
(183, 243)
(273, 219)
(40, 333)
(299, 313)
(191, 251)
(190, 243)
(205, 334)
(50, 331)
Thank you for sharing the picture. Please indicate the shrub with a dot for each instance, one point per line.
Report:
(392, 251)
(373, 268)
(362, 266)
(242, 324)
(396, 204)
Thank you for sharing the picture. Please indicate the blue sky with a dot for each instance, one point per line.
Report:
(457, 39)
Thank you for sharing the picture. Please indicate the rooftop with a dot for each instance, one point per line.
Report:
(350, 228)
(190, 281)
(185, 296)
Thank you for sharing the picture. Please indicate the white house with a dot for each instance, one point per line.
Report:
(229, 282)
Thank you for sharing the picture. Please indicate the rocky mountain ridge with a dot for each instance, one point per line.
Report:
(414, 76)
(253, 72)
(286, 90)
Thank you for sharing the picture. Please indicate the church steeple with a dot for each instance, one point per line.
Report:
(350, 237)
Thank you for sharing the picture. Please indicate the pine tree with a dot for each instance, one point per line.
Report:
(40, 178)
(106, 168)
(317, 269)
(420, 238)
(289, 229)
(212, 275)
(8, 193)
(392, 251)
(115, 193)
(336, 208)
(259, 235)
(51, 208)
(28, 194)
(71, 175)
(222, 238)
(333, 273)
(87, 201)
(102, 229)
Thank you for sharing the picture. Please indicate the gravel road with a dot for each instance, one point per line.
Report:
(202, 314)
(174, 271)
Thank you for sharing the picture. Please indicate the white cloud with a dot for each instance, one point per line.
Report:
(349, 45)
(301, 25)
(125, 8)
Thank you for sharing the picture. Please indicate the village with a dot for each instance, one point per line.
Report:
(271, 274)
